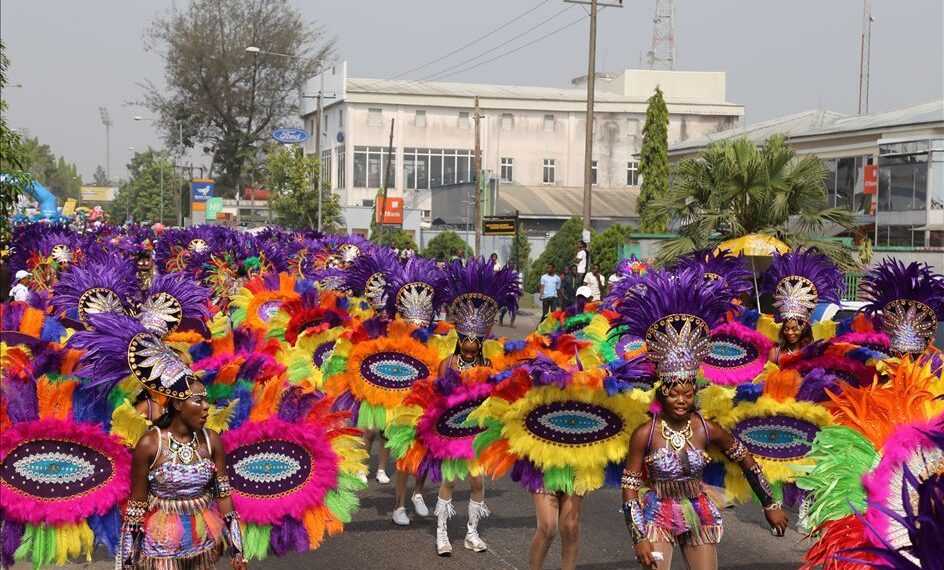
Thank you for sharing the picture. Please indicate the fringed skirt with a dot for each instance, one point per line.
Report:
(680, 519)
(181, 534)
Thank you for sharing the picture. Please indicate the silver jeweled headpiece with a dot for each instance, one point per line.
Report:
(415, 303)
(677, 344)
(795, 297)
(474, 314)
(909, 324)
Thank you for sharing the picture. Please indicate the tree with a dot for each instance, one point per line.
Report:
(139, 198)
(396, 238)
(520, 253)
(291, 176)
(14, 160)
(654, 163)
(224, 98)
(61, 177)
(604, 247)
(736, 188)
(100, 178)
(447, 245)
(560, 251)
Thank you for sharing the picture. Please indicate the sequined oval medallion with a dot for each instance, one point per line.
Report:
(572, 423)
(452, 421)
(55, 469)
(269, 467)
(778, 438)
(393, 370)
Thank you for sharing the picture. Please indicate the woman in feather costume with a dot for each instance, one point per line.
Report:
(669, 454)
(180, 510)
(798, 280)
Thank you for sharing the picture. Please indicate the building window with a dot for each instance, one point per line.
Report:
(342, 151)
(550, 170)
(632, 173)
(425, 168)
(507, 173)
(903, 177)
(340, 118)
(900, 236)
(507, 121)
(367, 203)
(632, 127)
(420, 119)
(374, 117)
(549, 123)
(370, 162)
(463, 119)
(326, 173)
(593, 173)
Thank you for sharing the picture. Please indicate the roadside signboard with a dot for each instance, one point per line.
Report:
(98, 193)
(870, 176)
(290, 135)
(213, 207)
(499, 225)
(392, 213)
(201, 189)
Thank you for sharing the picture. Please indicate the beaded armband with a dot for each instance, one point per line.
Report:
(737, 452)
(759, 484)
(631, 480)
(632, 514)
(134, 512)
(223, 488)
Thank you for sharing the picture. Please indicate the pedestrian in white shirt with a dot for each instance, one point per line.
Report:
(20, 292)
(582, 260)
(596, 282)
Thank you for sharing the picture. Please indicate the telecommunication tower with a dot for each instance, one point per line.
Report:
(662, 53)
(106, 121)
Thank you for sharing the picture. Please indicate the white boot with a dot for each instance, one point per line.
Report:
(477, 512)
(444, 511)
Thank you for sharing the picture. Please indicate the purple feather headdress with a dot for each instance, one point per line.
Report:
(415, 291)
(674, 313)
(101, 286)
(910, 301)
(475, 292)
(798, 280)
(367, 276)
(172, 298)
(61, 246)
(118, 346)
(731, 270)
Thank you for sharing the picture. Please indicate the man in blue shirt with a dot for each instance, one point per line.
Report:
(550, 287)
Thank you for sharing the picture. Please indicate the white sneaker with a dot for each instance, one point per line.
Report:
(400, 517)
(419, 505)
(474, 542)
(443, 546)
(382, 477)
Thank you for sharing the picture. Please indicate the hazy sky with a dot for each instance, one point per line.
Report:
(781, 57)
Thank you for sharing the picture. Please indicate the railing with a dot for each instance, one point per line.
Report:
(852, 287)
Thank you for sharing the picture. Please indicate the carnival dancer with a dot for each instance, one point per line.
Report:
(798, 280)
(668, 454)
(180, 511)
(907, 302)
(475, 293)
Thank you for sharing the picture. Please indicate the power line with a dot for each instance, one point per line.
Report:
(473, 42)
(448, 71)
(519, 48)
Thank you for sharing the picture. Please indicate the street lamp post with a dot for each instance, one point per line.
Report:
(180, 141)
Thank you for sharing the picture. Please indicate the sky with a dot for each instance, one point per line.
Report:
(72, 57)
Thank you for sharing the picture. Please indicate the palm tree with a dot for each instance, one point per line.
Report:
(736, 188)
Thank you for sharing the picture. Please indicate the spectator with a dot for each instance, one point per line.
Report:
(493, 260)
(570, 282)
(514, 312)
(596, 282)
(20, 292)
(550, 288)
(584, 296)
(582, 260)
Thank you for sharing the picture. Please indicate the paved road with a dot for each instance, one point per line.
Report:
(372, 541)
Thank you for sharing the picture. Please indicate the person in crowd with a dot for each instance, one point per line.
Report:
(570, 281)
(596, 282)
(513, 311)
(549, 290)
(19, 291)
(582, 260)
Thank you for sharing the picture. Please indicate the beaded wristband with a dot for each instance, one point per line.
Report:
(223, 488)
(737, 452)
(135, 511)
(631, 480)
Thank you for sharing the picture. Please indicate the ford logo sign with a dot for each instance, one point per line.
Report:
(290, 135)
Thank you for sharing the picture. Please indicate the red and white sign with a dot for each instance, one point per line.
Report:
(870, 175)
(392, 213)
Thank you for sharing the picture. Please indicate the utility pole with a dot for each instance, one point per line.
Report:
(106, 120)
(383, 204)
(477, 160)
(865, 57)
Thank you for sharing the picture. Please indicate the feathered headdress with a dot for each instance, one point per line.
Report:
(118, 346)
(475, 292)
(60, 246)
(674, 313)
(415, 291)
(172, 298)
(368, 275)
(798, 280)
(100, 286)
(731, 270)
(910, 301)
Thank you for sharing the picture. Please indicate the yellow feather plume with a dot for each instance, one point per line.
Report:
(128, 423)
(220, 417)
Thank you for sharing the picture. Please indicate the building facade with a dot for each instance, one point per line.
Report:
(531, 137)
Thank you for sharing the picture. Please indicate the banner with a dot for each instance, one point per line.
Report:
(499, 225)
(870, 175)
(392, 213)
(213, 207)
(98, 193)
(201, 189)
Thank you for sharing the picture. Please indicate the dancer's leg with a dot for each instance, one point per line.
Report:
(702, 557)
(546, 513)
(569, 522)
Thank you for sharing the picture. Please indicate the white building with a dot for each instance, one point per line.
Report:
(532, 138)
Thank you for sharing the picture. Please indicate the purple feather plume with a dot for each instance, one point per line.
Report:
(107, 272)
(105, 362)
(812, 265)
(731, 270)
(417, 269)
(478, 275)
(892, 280)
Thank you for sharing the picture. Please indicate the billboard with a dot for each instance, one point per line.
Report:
(98, 193)
(499, 225)
(392, 213)
(201, 189)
